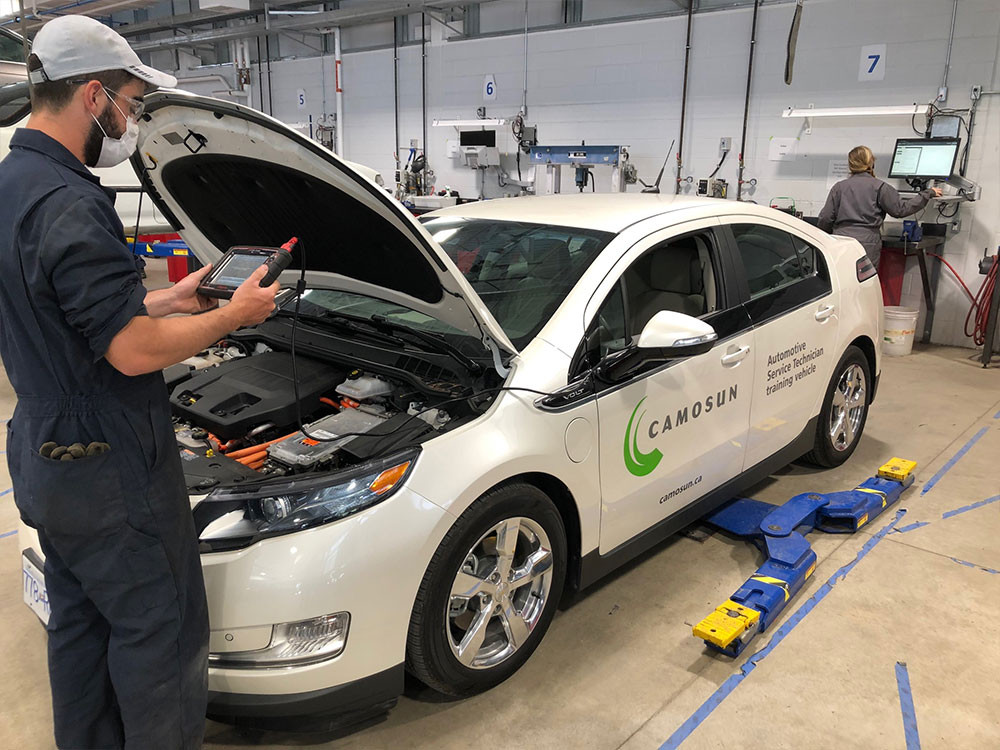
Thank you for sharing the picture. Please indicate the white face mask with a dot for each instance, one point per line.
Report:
(116, 150)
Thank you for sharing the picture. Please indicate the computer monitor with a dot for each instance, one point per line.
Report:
(478, 138)
(924, 158)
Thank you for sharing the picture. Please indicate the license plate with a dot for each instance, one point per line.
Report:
(35, 595)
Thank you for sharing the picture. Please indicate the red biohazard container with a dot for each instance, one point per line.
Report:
(891, 266)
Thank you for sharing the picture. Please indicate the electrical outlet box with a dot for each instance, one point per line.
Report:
(942, 94)
(414, 143)
(977, 91)
(955, 225)
(725, 145)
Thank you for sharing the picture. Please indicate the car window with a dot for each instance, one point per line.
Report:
(11, 48)
(522, 272)
(611, 331)
(773, 259)
(678, 275)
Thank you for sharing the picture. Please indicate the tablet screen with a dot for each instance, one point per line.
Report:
(238, 269)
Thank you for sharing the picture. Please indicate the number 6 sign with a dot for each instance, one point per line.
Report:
(489, 89)
(872, 64)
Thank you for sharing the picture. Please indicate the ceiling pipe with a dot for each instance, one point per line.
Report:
(325, 19)
(339, 83)
(746, 102)
(684, 96)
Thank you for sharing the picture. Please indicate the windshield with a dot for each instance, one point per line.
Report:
(522, 272)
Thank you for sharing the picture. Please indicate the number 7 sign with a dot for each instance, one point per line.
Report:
(872, 64)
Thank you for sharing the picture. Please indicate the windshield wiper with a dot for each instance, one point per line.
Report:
(436, 342)
(352, 324)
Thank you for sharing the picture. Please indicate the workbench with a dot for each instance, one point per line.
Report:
(928, 278)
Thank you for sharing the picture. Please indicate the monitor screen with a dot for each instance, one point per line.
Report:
(927, 158)
(478, 138)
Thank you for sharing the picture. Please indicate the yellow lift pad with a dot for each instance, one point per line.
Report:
(727, 623)
(897, 468)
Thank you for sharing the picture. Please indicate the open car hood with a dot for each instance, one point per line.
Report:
(227, 175)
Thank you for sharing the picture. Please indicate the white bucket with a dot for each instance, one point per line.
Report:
(900, 325)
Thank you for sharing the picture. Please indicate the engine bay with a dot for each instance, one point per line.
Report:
(236, 418)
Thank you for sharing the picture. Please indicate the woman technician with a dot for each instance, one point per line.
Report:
(856, 207)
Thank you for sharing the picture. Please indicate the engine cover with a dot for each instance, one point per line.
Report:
(238, 395)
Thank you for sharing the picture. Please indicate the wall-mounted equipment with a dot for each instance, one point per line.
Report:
(479, 148)
(713, 188)
(583, 158)
(945, 126)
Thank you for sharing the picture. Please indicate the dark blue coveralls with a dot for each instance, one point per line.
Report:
(128, 631)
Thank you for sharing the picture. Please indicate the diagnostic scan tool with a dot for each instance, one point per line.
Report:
(240, 262)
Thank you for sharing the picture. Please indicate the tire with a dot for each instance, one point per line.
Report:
(836, 439)
(469, 560)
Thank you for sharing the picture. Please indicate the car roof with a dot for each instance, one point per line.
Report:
(609, 212)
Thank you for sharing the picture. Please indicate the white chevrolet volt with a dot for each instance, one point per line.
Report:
(504, 401)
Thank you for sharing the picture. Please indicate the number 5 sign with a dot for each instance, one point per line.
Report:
(872, 64)
(489, 89)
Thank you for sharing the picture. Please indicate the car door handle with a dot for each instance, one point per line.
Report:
(738, 356)
(824, 312)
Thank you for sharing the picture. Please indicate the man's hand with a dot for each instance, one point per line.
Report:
(252, 303)
(149, 343)
(185, 293)
(937, 192)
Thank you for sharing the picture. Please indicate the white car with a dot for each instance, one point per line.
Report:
(529, 391)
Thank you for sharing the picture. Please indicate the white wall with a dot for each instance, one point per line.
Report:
(621, 83)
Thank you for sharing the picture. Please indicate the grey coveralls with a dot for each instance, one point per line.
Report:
(128, 629)
(856, 207)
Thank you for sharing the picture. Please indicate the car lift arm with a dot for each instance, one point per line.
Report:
(779, 531)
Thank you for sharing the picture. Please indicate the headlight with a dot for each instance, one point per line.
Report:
(293, 644)
(238, 517)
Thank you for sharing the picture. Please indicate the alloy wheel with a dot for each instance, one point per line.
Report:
(848, 407)
(499, 594)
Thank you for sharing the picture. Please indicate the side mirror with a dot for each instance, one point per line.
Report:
(15, 103)
(668, 335)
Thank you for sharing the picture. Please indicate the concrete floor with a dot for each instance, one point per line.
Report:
(620, 669)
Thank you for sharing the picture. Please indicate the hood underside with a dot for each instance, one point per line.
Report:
(225, 175)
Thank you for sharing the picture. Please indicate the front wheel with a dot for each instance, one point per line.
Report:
(845, 411)
(490, 592)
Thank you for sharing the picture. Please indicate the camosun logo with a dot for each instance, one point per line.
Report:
(641, 463)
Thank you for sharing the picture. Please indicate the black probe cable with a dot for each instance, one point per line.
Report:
(299, 289)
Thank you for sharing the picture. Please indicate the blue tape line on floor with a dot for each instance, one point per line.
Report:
(967, 564)
(726, 688)
(967, 508)
(910, 527)
(997, 415)
(6, 492)
(906, 705)
(952, 461)
(7, 534)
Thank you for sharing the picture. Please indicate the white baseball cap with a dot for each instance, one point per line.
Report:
(75, 45)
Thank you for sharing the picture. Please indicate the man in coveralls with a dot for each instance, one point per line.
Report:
(83, 343)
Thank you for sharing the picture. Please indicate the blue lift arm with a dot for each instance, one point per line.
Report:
(779, 532)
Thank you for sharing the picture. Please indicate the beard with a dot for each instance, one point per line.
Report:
(95, 136)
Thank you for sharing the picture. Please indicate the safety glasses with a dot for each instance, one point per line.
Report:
(135, 106)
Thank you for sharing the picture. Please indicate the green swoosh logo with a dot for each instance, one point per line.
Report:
(638, 463)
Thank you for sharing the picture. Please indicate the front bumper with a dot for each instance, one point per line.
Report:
(338, 707)
(369, 565)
